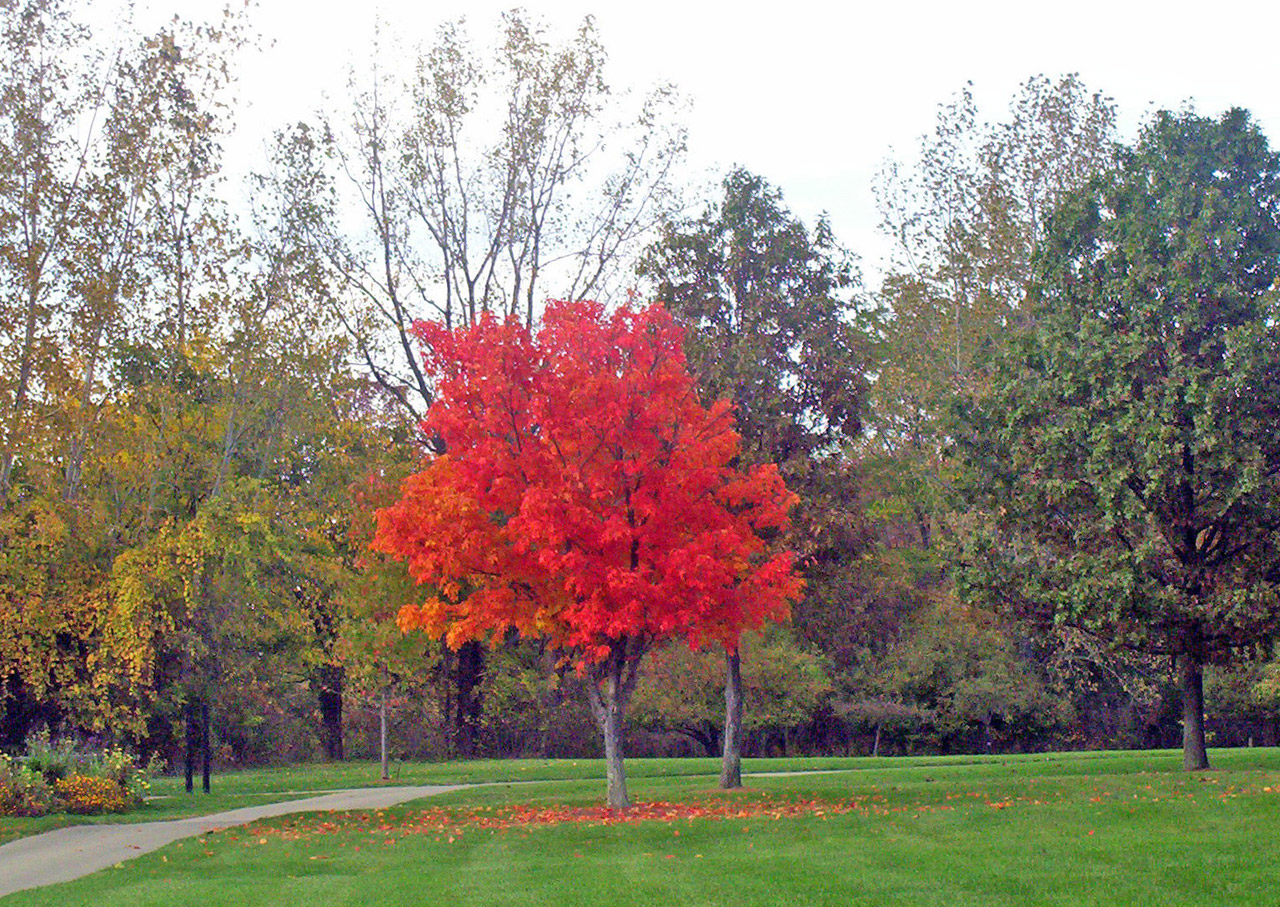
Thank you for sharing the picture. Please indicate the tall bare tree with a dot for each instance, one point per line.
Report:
(488, 187)
(484, 180)
(41, 164)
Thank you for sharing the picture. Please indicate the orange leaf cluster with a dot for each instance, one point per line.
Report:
(449, 825)
(586, 494)
(453, 824)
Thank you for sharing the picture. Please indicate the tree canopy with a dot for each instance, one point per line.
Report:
(1129, 455)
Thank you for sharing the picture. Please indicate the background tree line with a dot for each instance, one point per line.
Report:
(1005, 541)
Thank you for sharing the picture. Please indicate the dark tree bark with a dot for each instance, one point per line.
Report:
(382, 734)
(552, 698)
(731, 764)
(189, 763)
(445, 686)
(707, 736)
(328, 681)
(1195, 755)
(20, 712)
(469, 671)
(198, 746)
(328, 678)
(206, 754)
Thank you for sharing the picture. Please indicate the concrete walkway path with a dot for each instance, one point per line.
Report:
(68, 853)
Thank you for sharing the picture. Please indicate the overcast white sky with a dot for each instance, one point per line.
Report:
(812, 96)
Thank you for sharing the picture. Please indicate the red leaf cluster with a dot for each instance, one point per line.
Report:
(450, 824)
(586, 494)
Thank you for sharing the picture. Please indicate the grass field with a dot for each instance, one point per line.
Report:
(1069, 829)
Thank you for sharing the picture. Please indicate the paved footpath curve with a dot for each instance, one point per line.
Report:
(68, 853)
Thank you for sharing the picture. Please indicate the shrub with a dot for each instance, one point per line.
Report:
(23, 791)
(61, 776)
(89, 795)
(118, 765)
(52, 760)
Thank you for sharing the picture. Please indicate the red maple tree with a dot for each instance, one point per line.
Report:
(586, 497)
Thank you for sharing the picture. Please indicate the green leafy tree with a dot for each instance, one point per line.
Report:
(1245, 692)
(1127, 458)
(783, 688)
(50, 572)
(962, 671)
(966, 213)
(773, 326)
(965, 216)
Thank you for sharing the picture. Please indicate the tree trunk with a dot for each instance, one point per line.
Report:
(922, 524)
(552, 696)
(16, 409)
(469, 666)
(609, 687)
(709, 737)
(1195, 755)
(611, 725)
(189, 764)
(446, 684)
(328, 681)
(875, 744)
(74, 467)
(382, 734)
(206, 755)
(731, 765)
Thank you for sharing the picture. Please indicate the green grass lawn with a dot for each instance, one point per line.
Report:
(1070, 829)
(248, 788)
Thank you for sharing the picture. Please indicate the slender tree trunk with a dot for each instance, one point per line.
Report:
(447, 687)
(609, 688)
(1195, 755)
(206, 755)
(329, 695)
(469, 673)
(382, 732)
(189, 764)
(731, 764)
(611, 725)
(25, 368)
(6, 471)
(875, 745)
(74, 466)
(922, 523)
(552, 697)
